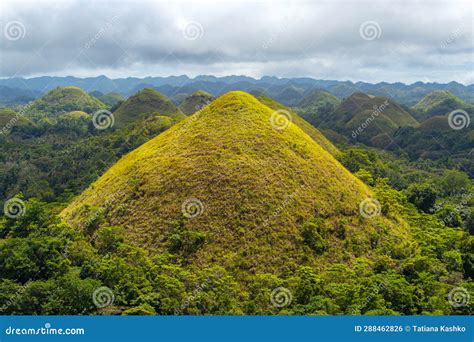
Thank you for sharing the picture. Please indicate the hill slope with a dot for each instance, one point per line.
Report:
(195, 102)
(317, 106)
(312, 131)
(224, 187)
(63, 100)
(438, 102)
(147, 102)
(364, 117)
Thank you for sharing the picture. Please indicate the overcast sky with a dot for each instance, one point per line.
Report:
(406, 41)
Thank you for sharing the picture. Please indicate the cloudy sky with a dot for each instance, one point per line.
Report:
(371, 41)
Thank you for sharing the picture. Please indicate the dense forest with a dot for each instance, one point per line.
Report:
(89, 184)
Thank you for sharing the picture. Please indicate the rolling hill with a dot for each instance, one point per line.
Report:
(147, 102)
(62, 100)
(439, 102)
(363, 117)
(196, 101)
(317, 106)
(225, 187)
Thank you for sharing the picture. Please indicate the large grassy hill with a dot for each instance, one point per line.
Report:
(363, 117)
(147, 102)
(438, 102)
(225, 187)
(62, 100)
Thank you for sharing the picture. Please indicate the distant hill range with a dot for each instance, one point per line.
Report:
(288, 91)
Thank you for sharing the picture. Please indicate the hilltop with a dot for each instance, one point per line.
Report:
(225, 187)
(438, 102)
(145, 103)
(196, 101)
(62, 100)
(317, 106)
(364, 117)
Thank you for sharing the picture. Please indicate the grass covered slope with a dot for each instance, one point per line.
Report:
(63, 100)
(312, 131)
(252, 185)
(195, 102)
(369, 116)
(438, 102)
(317, 106)
(147, 102)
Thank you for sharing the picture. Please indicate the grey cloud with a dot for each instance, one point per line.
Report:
(321, 39)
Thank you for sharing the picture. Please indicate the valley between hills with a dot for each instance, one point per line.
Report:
(291, 200)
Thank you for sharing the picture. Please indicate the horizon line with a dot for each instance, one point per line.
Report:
(232, 75)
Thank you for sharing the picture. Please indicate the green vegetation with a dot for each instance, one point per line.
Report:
(362, 118)
(195, 102)
(317, 106)
(63, 100)
(439, 102)
(147, 102)
(218, 210)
